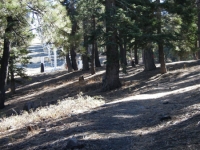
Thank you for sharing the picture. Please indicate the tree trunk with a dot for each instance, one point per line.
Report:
(4, 61)
(132, 61)
(12, 82)
(73, 33)
(85, 55)
(97, 61)
(11, 75)
(163, 68)
(198, 7)
(121, 50)
(73, 58)
(148, 58)
(122, 58)
(111, 80)
(92, 68)
(85, 62)
(122, 46)
(160, 43)
(69, 65)
(85, 58)
(73, 47)
(124, 52)
(198, 53)
(136, 53)
(194, 56)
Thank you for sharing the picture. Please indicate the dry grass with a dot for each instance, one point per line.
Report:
(63, 108)
(130, 119)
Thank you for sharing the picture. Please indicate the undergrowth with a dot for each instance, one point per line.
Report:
(63, 108)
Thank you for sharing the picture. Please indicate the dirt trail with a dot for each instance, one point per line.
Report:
(149, 112)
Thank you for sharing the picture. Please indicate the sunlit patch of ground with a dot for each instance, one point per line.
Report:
(150, 111)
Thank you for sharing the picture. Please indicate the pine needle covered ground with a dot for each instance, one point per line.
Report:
(150, 111)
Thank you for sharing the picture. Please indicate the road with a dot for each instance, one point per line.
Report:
(36, 52)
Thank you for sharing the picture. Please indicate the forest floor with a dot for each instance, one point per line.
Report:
(150, 111)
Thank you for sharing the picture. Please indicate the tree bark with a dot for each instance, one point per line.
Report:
(111, 80)
(12, 82)
(73, 32)
(163, 68)
(85, 62)
(69, 65)
(132, 61)
(11, 75)
(198, 53)
(122, 46)
(97, 61)
(124, 53)
(85, 55)
(194, 56)
(123, 59)
(121, 50)
(136, 53)
(5, 60)
(73, 58)
(198, 7)
(73, 47)
(85, 58)
(92, 68)
(148, 58)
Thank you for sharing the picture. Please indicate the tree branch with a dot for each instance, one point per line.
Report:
(35, 10)
(20, 36)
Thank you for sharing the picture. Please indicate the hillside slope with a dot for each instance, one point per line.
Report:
(150, 111)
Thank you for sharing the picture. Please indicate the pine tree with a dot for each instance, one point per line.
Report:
(184, 15)
(14, 15)
(112, 67)
(71, 9)
(89, 12)
(18, 55)
(160, 42)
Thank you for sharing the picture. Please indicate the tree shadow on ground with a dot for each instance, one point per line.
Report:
(47, 89)
(132, 123)
(66, 85)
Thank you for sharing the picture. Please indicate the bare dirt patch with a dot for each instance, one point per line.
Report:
(150, 111)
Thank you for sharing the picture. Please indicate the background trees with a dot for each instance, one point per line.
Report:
(13, 14)
(151, 28)
(90, 13)
(15, 18)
